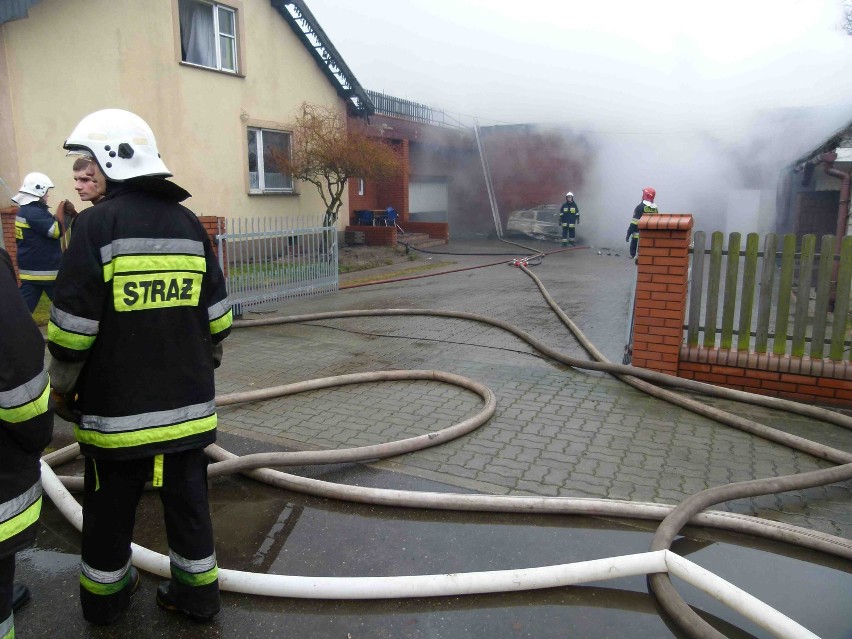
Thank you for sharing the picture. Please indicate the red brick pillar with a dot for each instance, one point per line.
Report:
(212, 225)
(7, 219)
(661, 286)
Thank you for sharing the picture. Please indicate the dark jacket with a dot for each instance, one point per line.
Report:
(37, 235)
(642, 208)
(140, 298)
(26, 416)
(569, 212)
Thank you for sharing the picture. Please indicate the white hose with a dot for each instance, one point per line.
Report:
(455, 584)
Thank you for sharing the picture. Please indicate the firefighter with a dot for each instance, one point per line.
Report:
(645, 207)
(37, 235)
(139, 313)
(569, 217)
(26, 426)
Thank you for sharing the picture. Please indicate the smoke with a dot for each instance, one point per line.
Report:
(706, 102)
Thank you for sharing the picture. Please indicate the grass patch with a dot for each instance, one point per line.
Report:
(41, 314)
(405, 272)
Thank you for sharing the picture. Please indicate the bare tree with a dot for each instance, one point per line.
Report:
(326, 151)
(847, 16)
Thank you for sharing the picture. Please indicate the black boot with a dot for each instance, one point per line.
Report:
(20, 596)
(167, 600)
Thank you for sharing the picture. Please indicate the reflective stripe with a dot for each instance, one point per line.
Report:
(24, 393)
(147, 436)
(128, 423)
(224, 322)
(20, 513)
(53, 231)
(74, 323)
(37, 275)
(157, 479)
(218, 309)
(143, 245)
(194, 572)
(69, 340)
(26, 401)
(22, 222)
(100, 582)
(7, 627)
(153, 263)
(71, 331)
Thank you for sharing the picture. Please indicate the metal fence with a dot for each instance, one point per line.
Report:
(796, 297)
(271, 259)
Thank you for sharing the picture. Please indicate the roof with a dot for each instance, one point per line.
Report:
(306, 27)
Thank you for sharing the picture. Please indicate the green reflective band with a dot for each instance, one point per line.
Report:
(21, 521)
(219, 325)
(156, 290)
(129, 439)
(153, 263)
(97, 588)
(37, 278)
(157, 480)
(27, 411)
(7, 627)
(195, 579)
(74, 341)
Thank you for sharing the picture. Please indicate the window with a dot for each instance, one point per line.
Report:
(360, 186)
(208, 34)
(264, 146)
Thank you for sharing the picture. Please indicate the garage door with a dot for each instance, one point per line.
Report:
(427, 200)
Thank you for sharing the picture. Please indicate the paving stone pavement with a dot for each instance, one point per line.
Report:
(556, 430)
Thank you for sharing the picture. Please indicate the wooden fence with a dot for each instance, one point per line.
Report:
(795, 297)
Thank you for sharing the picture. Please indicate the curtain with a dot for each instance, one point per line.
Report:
(15, 9)
(196, 33)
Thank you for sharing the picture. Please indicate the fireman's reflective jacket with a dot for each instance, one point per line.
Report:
(26, 418)
(37, 235)
(643, 208)
(140, 298)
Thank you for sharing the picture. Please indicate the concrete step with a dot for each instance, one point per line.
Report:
(418, 239)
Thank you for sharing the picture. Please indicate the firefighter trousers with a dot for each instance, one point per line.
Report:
(112, 490)
(7, 579)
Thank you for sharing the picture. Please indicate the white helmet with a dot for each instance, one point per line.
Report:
(35, 186)
(569, 194)
(123, 144)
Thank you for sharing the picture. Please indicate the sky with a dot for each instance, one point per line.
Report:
(614, 64)
(678, 94)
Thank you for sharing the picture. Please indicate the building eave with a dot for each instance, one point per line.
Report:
(318, 44)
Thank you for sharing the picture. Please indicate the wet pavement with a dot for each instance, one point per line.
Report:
(556, 432)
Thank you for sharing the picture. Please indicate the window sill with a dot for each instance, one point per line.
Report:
(183, 63)
(285, 193)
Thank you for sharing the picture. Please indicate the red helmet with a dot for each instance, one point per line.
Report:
(648, 194)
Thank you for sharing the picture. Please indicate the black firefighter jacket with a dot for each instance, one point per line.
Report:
(141, 299)
(26, 415)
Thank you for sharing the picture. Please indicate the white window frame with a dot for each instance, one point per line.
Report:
(361, 187)
(257, 182)
(220, 37)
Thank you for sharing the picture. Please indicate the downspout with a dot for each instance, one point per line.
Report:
(845, 180)
(842, 213)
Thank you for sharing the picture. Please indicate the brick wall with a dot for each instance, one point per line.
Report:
(661, 285)
(394, 192)
(212, 224)
(659, 311)
(7, 217)
(438, 230)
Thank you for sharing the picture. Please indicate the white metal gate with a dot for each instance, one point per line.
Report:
(270, 259)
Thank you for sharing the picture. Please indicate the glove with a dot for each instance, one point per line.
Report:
(62, 406)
